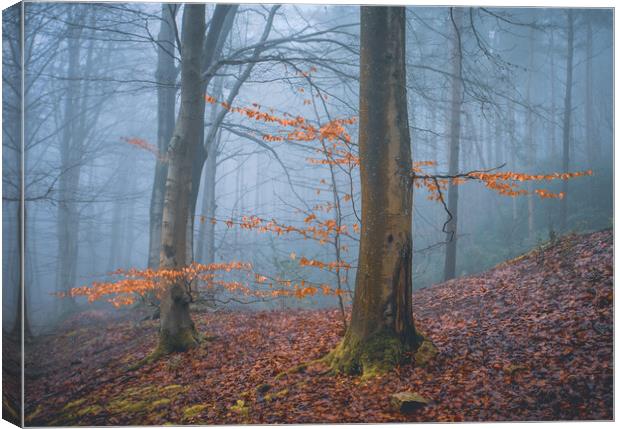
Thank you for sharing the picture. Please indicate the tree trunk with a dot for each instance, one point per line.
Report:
(382, 328)
(166, 93)
(531, 150)
(567, 118)
(206, 241)
(592, 145)
(68, 216)
(455, 137)
(129, 237)
(553, 126)
(224, 17)
(177, 331)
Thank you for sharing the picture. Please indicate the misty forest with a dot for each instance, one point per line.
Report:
(306, 213)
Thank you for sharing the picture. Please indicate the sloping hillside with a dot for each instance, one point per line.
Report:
(528, 340)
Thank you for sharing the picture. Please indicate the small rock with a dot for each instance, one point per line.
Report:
(406, 402)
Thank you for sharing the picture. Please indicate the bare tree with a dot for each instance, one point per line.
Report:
(567, 114)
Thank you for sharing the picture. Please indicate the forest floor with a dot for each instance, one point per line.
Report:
(530, 339)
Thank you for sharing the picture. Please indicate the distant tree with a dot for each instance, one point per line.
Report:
(568, 103)
(456, 16)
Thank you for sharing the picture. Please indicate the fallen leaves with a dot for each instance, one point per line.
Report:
(531, 339)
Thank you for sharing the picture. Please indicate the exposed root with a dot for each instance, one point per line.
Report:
(185, 340)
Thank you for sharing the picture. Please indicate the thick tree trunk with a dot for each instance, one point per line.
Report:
(177, 331)
(567, 118)
(382, 328)
(455, 137)
(166, 93)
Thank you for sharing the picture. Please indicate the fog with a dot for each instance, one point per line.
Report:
(91, 92)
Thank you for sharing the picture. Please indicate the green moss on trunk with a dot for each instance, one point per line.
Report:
(181, 341)
(372, 356)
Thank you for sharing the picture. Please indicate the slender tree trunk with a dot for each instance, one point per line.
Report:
(433, 142)
(455, 137)
(68, 217)
(224, 17)
(166, 93)
(553, 126)
(129, 225)
(210, 174)
(499, 141)
(115, 236)
(206, 243)
(567, 118)
(592, 145)
(513, 152)
(382, 328)
(531, 150)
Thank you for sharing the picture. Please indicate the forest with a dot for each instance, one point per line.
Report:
(296, 213)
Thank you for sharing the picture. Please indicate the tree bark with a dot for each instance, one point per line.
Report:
(455, 137)
(223, 18)
(177, 331)
(205, 247)
(567, 118)
(165, 76)
(382, 327)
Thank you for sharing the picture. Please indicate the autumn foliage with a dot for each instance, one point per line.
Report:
(133, 283)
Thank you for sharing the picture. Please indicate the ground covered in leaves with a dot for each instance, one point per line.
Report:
(530, 339)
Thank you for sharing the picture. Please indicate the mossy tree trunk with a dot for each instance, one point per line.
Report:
(382, 327)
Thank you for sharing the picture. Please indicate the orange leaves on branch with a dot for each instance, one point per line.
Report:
(505, 183)
(336, 265)
(542, 193)
(336, 157)
(314, 228)
(302, 129)
(136, 282)
(418, 165)
(142, 144)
